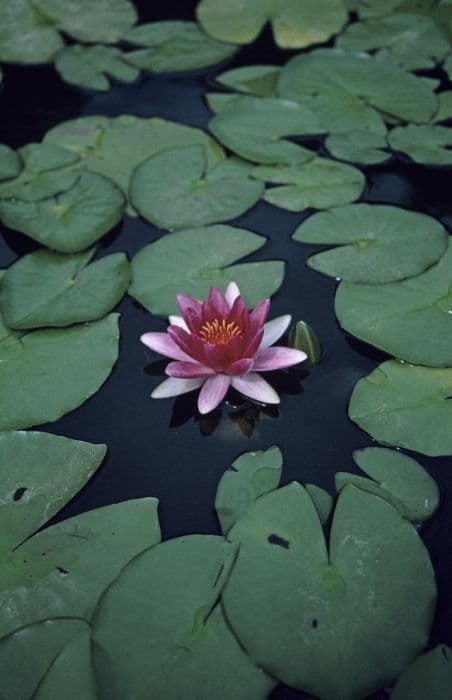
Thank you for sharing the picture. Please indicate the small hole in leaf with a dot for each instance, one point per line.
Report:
(62, 570)
(280, 541)
(19, 493)
(314, 623)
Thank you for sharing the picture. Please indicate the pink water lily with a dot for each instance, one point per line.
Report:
(218, 343)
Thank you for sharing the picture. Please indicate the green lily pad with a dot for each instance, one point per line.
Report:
(257, 80)
(74, 361)
(429, 676)
(322, 500)
(254, 127)
(195, 259)
(39, 473)
(398, 479)
(295, 24)
(174, 189)
(217, 101)
(425, 144)
(411, 319)
(320, 183)
(90, 20)
(51, 289)
(178, 642)
(250, 475)
(337, 624)
(175, 46)
(71, 221)
(25, 35)
(91, 66)
(444, 107)
(10, 162)
(380, 244)
(447, 66)
(358, 147)
(407, 406)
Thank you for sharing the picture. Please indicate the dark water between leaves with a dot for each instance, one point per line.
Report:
(164, 448)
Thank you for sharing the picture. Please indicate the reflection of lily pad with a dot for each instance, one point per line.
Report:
(429, 676)
(174, 189)
(337, 624)
(379, 243)
(90, 20)
(194, 260)
(426, 144)
(411, 319)
(50, 289)
(358, 147)
(25, 35)
(257, 80)
(90, 66)
(10, 163)
(408, 406)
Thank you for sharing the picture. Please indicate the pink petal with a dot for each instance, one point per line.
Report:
(255, 387)
(240, 367)
(175, 387)
(259, 314)
(218, 303)
(253, 344)
(277, 358)
(188, 370)
(185, 302)
(178, 321)
(231, 293)
(274, 329)
(163, 344)
(191, 345)
(213, 392)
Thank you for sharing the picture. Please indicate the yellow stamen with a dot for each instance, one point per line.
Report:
(219, 332)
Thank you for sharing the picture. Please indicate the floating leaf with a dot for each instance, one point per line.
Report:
(91, 66)
(303, 337)
(251, 475)
(322, 500)
(162, 609)
(429, 676)
(358, 147)
(217, 101)
(71, 221)
(447, 66)
(174, 189)
(257, 80)
(191, 261)
(320, 183)
(294, 24)
(411, 319)
(339, 624)
(74, 362)
(430, 145)
(408, 406)
(51, 289)
(382, 243)
(25, 35)
(444, 107)
(90, 20)
(175, 46)
(10, 163)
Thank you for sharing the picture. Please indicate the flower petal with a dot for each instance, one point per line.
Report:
(231, 293)
(190, 344)
(277, 358)
(184, 302)
(187, 370)
(175, 387)
(213, 392)
(274, 329)
(259, 314)
(178, 321)
(217, 303)
(163, 344)
(255, 387)
(240, 367)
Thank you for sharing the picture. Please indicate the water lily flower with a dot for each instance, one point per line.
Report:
(218, 343)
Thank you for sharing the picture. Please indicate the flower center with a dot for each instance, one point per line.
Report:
(219, 332)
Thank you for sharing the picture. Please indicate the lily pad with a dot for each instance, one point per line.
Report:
(254, 128)
(195, 259)
(175, 46)
(10, 163)
(91, 66)
(71, 221)
(174, 189)
(444, 112)
(407, 406)
(426, 144)
(320, 183)
(51, 289)
(380, 244)
(429, 676)
(358, 147)
(411, 319)
(163, 609)
(337, 624)
(74, 361)
(90, 20)
(257, 80)
(25, 35)
(217, 101)
(295, 24)
(250, 475)
(322, 500)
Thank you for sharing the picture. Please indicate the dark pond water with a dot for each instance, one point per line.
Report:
(162, 448)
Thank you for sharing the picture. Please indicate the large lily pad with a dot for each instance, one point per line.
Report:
(359, 147)
(48, 373)
(25, 35)
(295, 24)
(319, 183)
(90, 20)
(427, 144)
(408, 406)
(51, 289)
(10, 163)
(379, 244)
(175, 46)
(411, 319)
(337, 624)
(71, 221)
(191, 261)
(429, 676)
(174, 189)
(91, 66)
(444, 112)
(257, 80)
(162, 609)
